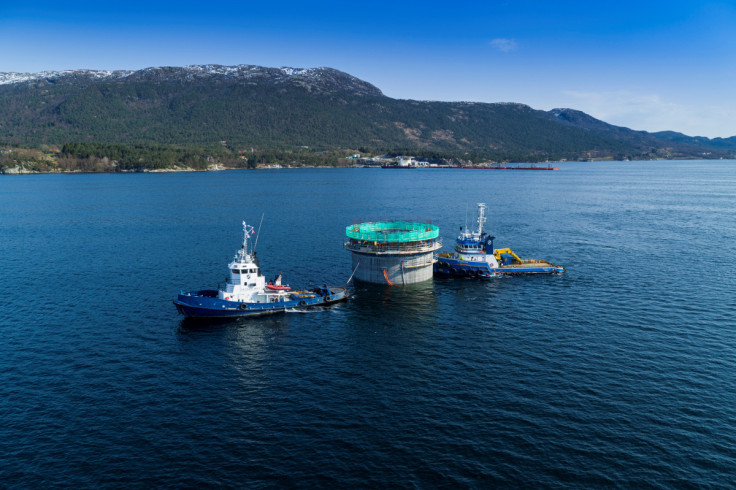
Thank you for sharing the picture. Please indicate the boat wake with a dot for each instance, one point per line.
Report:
(311, 309)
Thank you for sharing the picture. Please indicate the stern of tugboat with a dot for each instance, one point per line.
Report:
(331, 294)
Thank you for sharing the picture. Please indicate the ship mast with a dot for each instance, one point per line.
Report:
(481, 217)
(247, 229)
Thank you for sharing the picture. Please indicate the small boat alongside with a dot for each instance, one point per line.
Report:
(247, 294)
(475, 256)
(276, 285)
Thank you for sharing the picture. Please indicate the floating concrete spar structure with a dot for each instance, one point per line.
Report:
(392, 252)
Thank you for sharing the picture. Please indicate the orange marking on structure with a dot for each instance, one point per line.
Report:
(386, 276)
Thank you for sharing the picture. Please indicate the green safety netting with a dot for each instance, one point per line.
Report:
(395, 231)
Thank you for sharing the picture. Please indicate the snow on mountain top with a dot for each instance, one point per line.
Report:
(12, 77)
(238, 70)
(313, 79)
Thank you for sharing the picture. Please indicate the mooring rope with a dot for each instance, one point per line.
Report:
(351, 275)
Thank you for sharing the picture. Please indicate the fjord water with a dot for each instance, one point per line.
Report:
(622, 371)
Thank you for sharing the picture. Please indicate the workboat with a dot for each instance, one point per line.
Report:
(247, 294)
(276, 285)
(475, 256)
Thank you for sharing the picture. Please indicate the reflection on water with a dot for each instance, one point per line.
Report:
(245, 347)
(392, 305)
(190, 324)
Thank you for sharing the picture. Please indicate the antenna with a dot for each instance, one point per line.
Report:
(246, 229)
(245, 237)
(259, 232)
(481, 217)
(466, 215)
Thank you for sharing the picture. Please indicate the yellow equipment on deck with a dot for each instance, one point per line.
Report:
(497, 253)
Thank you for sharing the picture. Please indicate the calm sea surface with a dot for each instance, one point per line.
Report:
(622, 371)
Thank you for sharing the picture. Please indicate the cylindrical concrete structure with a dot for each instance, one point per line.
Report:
(397, 252)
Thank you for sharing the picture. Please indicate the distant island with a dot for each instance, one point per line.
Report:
(211, 116)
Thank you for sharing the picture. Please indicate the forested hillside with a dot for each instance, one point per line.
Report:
(265, 108)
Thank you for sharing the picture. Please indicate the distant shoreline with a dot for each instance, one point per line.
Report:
(192, 170)
(163, 171)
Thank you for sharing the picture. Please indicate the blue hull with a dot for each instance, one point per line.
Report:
(206, 304)
(462, 268)
(529, 270)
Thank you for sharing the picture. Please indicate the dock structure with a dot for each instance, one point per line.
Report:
(392, 252)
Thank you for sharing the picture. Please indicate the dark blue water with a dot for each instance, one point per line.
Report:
(622, 371)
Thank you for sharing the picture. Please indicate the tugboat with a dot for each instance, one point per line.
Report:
(247, 294)
(475, 257)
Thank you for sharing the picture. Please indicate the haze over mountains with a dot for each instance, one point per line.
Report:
(322, 108)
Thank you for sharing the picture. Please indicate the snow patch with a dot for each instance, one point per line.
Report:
(313, 78)
(244, 71)
(12, 77)
(294, 71)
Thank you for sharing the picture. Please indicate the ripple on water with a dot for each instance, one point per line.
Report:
(616, 373)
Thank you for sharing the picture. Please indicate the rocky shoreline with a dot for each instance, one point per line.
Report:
(22, 171)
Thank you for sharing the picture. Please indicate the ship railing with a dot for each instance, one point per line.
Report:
(390, 247)
(419, 261)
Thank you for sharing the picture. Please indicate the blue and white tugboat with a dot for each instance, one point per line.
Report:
(246, 292)
(475, 256)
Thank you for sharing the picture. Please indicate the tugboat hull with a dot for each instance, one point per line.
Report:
(206, 304)
(459, 268)
(531, 269)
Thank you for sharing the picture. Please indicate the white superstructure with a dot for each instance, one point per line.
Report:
(245, 282)
(472, 246)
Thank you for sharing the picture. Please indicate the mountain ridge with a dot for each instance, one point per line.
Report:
(324, 76)
(254, 106)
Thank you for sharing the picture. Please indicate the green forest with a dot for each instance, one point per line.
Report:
(127, 125)
(118, 157)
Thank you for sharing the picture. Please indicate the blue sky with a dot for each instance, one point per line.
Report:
(645, 65)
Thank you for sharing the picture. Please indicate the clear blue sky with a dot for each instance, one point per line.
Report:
(649, 65)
